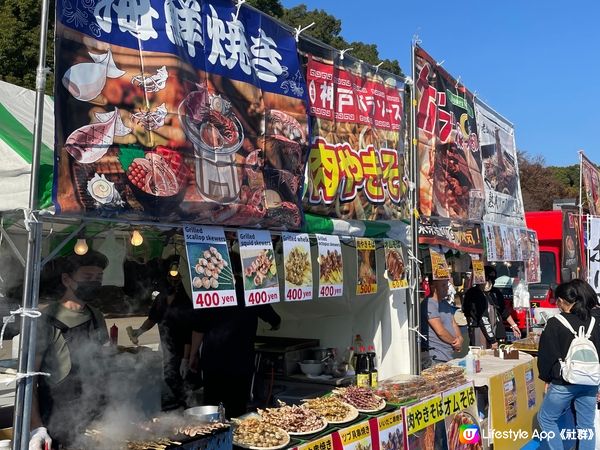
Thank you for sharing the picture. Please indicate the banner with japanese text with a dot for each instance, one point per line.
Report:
(188, 110)
(572, 242)
(450, 168)
(439, 266)
(366, 266)
(593, 251)
(503, 199)
(533, 270)
(591, 184)
(460, 409)
(357, 160)
(458, 235)
(421, 420)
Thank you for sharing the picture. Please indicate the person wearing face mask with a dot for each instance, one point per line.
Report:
(70, 337)
(169, 310)
(485, 311)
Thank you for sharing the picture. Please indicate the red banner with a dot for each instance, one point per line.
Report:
(356, 162)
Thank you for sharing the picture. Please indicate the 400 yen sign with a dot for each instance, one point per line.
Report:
(212, 299)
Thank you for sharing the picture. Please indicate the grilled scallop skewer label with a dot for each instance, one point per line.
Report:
(259, 272)
(297, 265)
(210, 267)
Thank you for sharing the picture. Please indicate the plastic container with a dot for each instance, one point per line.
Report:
(470, 363)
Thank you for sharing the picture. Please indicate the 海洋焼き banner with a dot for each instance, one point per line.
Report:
(181, 109)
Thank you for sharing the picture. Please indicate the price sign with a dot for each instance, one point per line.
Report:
(359, 433)
(366, 266)
(210, 267)
(297, 266)
(459, 399)
(391, 430)
(259, 272)
(325, 443)
(395, 265)
(439, 265)
(421, 415)
(331, 266)
(478, 270)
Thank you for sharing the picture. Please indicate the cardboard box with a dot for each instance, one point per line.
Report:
(503, 353)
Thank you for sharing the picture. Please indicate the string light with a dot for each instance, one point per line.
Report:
(136, 238)
(81, 247)
(174, 270)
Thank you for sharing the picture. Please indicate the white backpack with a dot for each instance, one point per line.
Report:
(581, 365)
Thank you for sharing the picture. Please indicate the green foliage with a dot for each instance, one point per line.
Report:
(541, 185)
(273, 8)
(19, 42)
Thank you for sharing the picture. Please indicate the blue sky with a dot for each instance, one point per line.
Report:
(535, 62)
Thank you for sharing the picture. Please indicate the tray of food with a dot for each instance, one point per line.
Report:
(334, 410)
(295, 420)
(363, 399)
(256, 434)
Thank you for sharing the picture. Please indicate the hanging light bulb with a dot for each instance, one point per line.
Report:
(81, 247)
(136, 238)
(174, 269)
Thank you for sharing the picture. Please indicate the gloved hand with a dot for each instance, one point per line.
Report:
(40, 439)
(184, 368)
(134, 334)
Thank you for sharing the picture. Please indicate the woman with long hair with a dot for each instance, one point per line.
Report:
(576, 307)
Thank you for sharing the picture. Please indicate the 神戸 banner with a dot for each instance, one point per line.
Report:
(186, 110)
(591, 183)
(450, 178)
(356, 161)
(503, 199)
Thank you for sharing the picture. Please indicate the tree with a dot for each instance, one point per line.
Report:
(273, 8)
(539, 184)
(19, 42)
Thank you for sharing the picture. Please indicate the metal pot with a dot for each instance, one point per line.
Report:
(205, 413)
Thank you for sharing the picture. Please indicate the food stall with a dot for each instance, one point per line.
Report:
(198, 144)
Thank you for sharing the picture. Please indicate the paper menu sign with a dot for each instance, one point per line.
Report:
(395, 265)
(210, 267)
(366, 266)
(391, 430)
(439, 265)
(478, 270)
(297, 267)
(259, 271)
(331, 266)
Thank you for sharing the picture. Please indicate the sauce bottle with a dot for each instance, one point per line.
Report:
(363, 373)
(114, 334)
(374, 374)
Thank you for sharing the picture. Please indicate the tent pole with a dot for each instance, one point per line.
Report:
(414, 343)
(24, 394)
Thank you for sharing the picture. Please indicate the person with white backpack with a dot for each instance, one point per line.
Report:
(568, 362)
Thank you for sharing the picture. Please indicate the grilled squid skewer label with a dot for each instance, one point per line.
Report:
(259, 271)
(297, 267)
(211, 274)
(331, 266)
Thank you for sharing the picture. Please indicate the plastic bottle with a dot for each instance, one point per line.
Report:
(349, 358)
(470, 363)
(357, 344)
(363, 372)
(373, 367)
(476, 362)
(114, 334)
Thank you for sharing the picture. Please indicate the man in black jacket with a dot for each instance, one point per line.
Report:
(485, 311)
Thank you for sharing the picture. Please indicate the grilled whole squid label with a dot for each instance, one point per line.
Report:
(297, 266)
